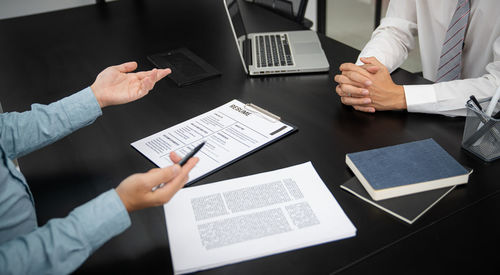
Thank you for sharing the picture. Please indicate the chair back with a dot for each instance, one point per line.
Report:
(293, 9)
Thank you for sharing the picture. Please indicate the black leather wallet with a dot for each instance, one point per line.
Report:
(187, 67)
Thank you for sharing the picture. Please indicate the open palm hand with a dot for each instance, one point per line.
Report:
(118, 85)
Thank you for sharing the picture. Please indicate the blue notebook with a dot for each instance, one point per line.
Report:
(405, 169)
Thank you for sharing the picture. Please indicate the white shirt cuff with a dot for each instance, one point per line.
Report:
(421, 98)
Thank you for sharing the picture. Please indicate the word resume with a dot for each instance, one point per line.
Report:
(230, 132)
(249, 217)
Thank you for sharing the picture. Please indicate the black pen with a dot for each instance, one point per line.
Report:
(190, 154)
(473, 98)
(183, 161)
(497, 115)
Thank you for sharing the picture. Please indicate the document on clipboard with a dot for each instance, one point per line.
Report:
(230, 132)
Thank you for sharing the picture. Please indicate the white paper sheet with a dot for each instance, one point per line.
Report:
(249, 217)
(230, 131)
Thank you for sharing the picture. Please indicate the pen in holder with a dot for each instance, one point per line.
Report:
(482, 131)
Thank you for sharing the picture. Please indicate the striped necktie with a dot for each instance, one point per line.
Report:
(451, 53)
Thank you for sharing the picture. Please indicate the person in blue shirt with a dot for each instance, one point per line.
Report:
(61, 245)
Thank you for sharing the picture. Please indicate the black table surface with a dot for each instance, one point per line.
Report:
(48, 56)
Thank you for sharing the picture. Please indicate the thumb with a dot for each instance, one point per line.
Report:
(372, 64)
(371, 60)
(367, 60)
(157, 176)
(372, 69)
(167, 192)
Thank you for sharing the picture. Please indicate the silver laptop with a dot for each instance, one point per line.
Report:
(275, 52)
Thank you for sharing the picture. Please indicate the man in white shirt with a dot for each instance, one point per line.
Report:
(367, 85)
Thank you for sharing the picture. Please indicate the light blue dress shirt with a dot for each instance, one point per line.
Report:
(61, 245)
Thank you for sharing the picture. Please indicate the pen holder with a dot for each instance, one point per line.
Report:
(482, 132)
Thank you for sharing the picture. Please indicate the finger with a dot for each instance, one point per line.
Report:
(182, 177)
(339, 91)
(162, 73)
(348, 67)
(143, 74)
(364, 109)
(353, 67)
(358, 77)
(343, 79)
(150, 81)
(349, 90)
(147, 84)
(190, 164)
(174, 157)
(164, 194)
(348, 100)
(371, 68)
(368, 60)
(343, 90)
(157, 74)
(157, 176)
(372, 60)
(126, 67)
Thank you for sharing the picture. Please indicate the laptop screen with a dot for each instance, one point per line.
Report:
(236, 21)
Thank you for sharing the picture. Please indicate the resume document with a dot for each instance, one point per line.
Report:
(230, 131)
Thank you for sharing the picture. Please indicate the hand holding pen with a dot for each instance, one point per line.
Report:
(181, 162)
(135, 192)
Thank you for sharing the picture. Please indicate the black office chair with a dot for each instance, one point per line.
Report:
(293, 9)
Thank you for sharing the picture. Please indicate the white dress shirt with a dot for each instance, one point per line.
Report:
(429, 19)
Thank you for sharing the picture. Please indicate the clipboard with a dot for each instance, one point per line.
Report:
(251, 125)
(265, 113)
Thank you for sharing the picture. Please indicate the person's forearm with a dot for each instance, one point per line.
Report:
(62, 245)
(395, 37)
(448, 98)
(25, 132)
(390, 43)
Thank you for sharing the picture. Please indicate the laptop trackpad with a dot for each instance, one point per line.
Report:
(306, 48)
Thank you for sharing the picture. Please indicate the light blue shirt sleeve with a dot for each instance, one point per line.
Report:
(22, 133)
(62, 245)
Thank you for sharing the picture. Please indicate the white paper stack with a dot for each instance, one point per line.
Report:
(250, 217)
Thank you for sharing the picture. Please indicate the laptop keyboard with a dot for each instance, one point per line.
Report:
(273, 50)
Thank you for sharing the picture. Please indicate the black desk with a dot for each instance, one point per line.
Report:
(49, 56)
